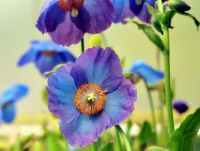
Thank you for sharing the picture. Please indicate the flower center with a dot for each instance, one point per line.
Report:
(5, 105)
(138, 2)
(89, 99)
(48, 53)
(71, 6)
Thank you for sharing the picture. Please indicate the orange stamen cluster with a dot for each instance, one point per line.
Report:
(87, 105)
(48, 53)
(69, 5)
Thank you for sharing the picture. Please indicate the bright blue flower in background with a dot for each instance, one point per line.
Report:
(8, 100)
(180, 106)
(46, 55)
(149, 74)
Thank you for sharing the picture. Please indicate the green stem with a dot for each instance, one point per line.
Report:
(82, 45)
(168, 79)
(151, 106)
(126, 142)
(118, 141)
(160, 5)
(94, 146)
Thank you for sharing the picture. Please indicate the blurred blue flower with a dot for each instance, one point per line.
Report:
(46, 55)
(8, 100)
(180, 106)
(149, 74)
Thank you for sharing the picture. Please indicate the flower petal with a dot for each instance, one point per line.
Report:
(85, 129)
(122, 10)
(62, 90)
(9, 113)
(121, 102)
(14, 93)
(180, 106)
(95, 16)
(101, 67)
(145, 71)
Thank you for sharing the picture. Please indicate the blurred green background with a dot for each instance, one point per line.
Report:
(17, 29)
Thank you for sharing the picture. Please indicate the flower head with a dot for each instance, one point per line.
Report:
(68, 20)
(180, 106)
(8, 100)
(90, 95)
(46, 55)
(149, 74)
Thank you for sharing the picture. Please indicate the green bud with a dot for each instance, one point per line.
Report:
(179, 6)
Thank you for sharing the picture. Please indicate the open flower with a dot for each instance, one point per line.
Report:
(46, 55)
(180, 106)
(68, 20)
(90, 95)
(8, 100)
(149, 74)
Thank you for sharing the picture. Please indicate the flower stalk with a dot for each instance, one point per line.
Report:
(82, 45)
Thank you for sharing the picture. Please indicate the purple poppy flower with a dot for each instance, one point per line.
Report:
(8, 100)
(90, 95)
(46, 55)
(68, 20)
(149, 74)
(180, 106)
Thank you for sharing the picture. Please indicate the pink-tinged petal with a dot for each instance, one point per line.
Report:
(86, 129)
(120, 103)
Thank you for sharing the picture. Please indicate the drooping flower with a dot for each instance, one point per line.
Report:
(8, 100)
(149, 74)
(67, 21)
(90, 95)
(180, 106)
(46, 55)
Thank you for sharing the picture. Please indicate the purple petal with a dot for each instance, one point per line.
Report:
(144, 15)
(120, 103)
(67, 32)
(102, 67)
(86, 129)
(62, 90)
(180, 106)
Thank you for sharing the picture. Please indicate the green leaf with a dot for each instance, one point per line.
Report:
(128, 75)
(197, 23)
(108, 147)
(150, 33)
(167, 18)
(184, 137)
(156, 148)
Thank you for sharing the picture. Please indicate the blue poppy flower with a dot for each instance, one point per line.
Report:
(67, 21)
(8, 100)
(90, 95)
(46, 55)
(149, 74)
(180, 106)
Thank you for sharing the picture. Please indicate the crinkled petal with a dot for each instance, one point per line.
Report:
(86, 129)
(102, 67)
(62, 90)
(9, 113)
(149, 74)
(67, 33)
(122, 10)
(120, 103)
(95, 16)
(14, 93)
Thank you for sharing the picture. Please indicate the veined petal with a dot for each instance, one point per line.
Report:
(86, 129)
(102, 67)
(148, 73)
(120, 103)
(62, 90)
(9, 112)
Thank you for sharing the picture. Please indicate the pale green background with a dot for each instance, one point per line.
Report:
(17, 28)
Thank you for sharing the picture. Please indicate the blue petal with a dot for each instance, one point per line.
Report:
(145, 71)
(9, 113)
(14, 93)
(102, 67)
(122, 10)
(120, 103)
(54, 16)
(62, 90)
(86, 129)
(136, 8)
